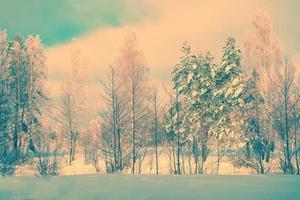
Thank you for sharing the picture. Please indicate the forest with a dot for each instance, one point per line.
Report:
(242, 108)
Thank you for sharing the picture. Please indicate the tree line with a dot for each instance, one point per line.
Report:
(243, 107)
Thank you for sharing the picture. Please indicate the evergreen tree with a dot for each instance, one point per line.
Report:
(228, 92)
(228, 99)
(193, 80)
(22, 74)
(176, 135)
(6, 161)
(200, 92)
(36, 93)
(18, 86)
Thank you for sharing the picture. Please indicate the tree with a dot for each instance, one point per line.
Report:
(6, 160)
(73, 99)
(175, 134)
(22, 77)
(156, 126)
(193, 80)
(175, 128)
(259, 146)
(134, 74)
(295, 120)
(264, 52)
(92, 140)
(228, 97)
(48, 143)
(169, 130)
(19, 97)
(114, 119)
(36, 90)
(285, 101)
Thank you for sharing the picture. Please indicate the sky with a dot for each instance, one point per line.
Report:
(58, 21)
(99, 26)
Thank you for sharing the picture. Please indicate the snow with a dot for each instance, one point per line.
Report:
(127, 187)
(79, 167)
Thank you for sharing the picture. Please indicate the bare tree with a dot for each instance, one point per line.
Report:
(72, 109)
(285, 90)
(156, 127)
(264, 52)
(114, 119)
(49, 143)
(295, 114)
(134, 74)
(93, 144)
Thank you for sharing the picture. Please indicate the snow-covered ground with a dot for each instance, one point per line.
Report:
(79, 167)
(126, 187)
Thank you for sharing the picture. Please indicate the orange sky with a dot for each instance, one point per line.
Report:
(204, 24)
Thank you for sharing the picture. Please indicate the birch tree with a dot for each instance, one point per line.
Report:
(264, 52)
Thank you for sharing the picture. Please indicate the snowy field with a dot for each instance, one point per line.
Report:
(126, 187)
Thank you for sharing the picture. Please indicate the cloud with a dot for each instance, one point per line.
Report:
(204, 24)
(58, 21)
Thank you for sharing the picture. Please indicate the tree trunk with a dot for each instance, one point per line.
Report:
(156, 132)
(183, 163)
(218, 157)
(196, 154)
(120, 150)
(296, 150)
(178, 133)
(286, 120)
(133, 125)
(114, 118)
(174, 159)
(70, 150)
(261, 166)
(189, 146)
